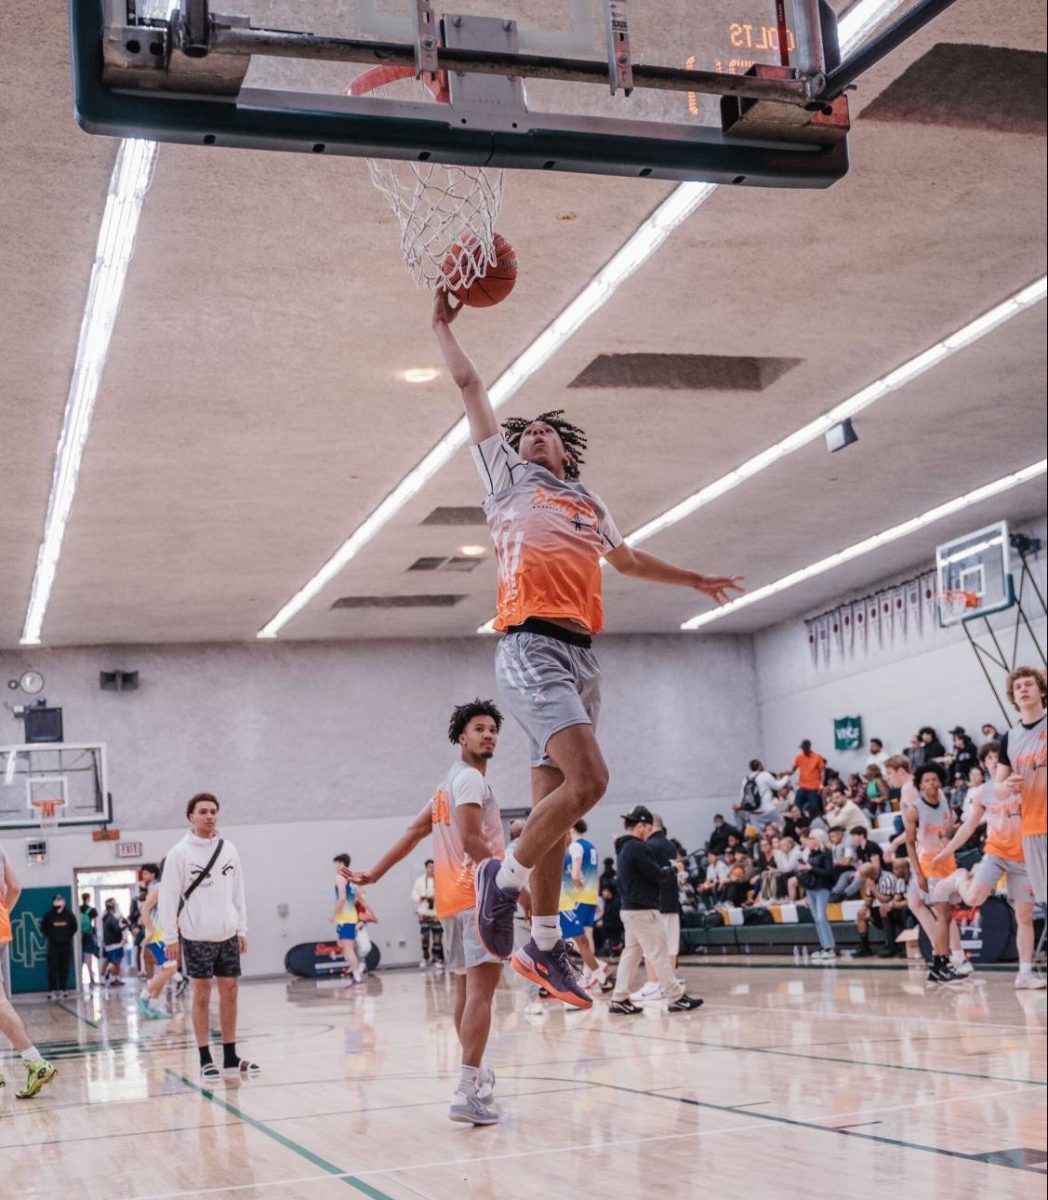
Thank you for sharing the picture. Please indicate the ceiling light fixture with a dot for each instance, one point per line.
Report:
(870, 394)
(420, 374)
(128, 184)
(648, 237)
(869, 544)
(473, 551)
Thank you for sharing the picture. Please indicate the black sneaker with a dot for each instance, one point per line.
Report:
(943, 973)
(685, 1004)
(863, 952)
(625, 1008)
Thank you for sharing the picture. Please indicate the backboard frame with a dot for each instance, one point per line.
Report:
(953, 576)
(47, 754)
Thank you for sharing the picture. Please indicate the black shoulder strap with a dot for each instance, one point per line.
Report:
(201, 877)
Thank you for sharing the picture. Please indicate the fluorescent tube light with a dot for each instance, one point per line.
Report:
(128, 184)
(869, 544)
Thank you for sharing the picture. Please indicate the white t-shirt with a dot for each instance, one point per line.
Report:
(878, 760)
(717, 872)
(767, 786)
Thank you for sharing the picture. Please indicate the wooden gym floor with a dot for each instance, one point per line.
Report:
(792, 1080)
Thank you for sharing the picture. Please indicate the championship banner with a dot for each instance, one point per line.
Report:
(838, 631)
(847, 733)
(887, 617)
(848, 622)
(813, 641)
(873, 622)
(914, 608)
(824, 640)
(861, 631)
(928, 583)
(899, 610)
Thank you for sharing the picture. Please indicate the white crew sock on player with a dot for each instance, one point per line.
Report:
(469, 1077)
(957, 957)
(512, 874)
(30, 1055)
(1025, 968)
(545, 932)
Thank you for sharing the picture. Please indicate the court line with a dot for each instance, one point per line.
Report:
(851, 1062)
(751, 1125)
(853, 1014)
(286, 1142)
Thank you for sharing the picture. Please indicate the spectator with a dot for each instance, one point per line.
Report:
(855, 789)
(766, 880)
(990, 733)
(963, 757)
(809, 765)
(876, 792)
(423, 896)
(816, 877)
(787, 859)
(877, 755)
(930, 744)
(640, 878)
(865, 851)
(666, 854)
(915, 753)
(716, 875)
(844, 813)
(89, 938)
(736, 888)
(608, 878)
(842, 852)
(607, 930)
(757, 799)
(796, 824)
(59, 927)
(734, 843)
(884, 904)
(113, 928)
(965, 799)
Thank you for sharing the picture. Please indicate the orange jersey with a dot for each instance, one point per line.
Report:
(1004, 834)
(549, 534)
(1023, 749)
(453, 887)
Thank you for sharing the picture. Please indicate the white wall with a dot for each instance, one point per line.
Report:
(927, 679)
(317, 748)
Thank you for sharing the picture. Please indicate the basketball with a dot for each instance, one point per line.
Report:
(494, 284)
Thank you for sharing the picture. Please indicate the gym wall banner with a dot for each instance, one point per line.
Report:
(847, 733)
(28, 945)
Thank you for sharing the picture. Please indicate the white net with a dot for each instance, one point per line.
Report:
(446, 213)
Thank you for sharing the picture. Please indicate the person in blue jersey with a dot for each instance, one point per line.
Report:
(345, 919)
(579, 891)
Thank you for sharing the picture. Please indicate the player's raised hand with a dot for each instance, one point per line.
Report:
(720, 587)
(358, 877)
(444, 312)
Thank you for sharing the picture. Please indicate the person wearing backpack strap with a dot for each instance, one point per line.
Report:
(757, 797)
(204, 917)
(89, 948)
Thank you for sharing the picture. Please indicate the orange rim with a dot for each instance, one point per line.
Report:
(378, 77)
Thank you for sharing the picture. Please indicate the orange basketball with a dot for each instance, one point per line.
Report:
(495, 282)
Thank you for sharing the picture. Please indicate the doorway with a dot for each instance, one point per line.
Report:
(110, 883)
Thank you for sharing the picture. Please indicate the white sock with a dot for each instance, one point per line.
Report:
(957, 956)
(469, 1077)
(545, 932)
(511, 874)
(30, 1055)
(1026, 968)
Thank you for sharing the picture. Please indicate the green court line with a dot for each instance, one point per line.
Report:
(286, 1142)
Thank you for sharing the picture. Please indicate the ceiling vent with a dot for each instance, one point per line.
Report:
(428, 563)
(469, 514)
(397, 601)
(968, 87)
(680, 372)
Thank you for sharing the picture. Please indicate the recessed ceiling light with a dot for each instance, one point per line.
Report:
(472, 551)
(420, 374)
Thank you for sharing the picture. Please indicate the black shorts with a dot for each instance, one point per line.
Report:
(206, 960)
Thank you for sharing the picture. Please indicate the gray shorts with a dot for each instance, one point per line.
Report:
(462, 948)
(937, 892)
(990, 868)
(548, 685)
(1035, 852)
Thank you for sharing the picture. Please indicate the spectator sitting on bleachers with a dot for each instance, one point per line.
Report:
(884, 904)
(796, 824)
(736, 888)
(962, 757)
(843, 852)
(766, 880)
(931, 747)
(787, 859)
(708, 890)
(865, 851)
(722, 830)
(875, 797)
(756, 804)
(855, 788)
(844, 813)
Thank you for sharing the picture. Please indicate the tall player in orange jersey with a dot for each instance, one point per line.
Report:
(550, 533)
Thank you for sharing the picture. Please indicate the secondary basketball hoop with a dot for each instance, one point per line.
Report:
(48, 811)
(446, 213)
(955, 605)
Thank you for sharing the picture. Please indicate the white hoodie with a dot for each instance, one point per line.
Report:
(215, 911)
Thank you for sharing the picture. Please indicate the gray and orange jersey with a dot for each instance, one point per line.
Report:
(453, 887)
(1023, 749)
(549, 534)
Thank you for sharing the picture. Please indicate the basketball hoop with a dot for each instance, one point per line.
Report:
(955, 604)
(48, 811)
(438, 207)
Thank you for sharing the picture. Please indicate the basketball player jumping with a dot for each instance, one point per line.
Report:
(550, 533)
(464, 820)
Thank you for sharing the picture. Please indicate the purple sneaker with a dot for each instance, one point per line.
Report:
(552, 970)
(495, 909)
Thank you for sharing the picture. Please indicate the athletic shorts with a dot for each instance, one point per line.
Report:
(116, 955)
(671, 927)
(159, 952)
(548, 685)
(1035, 852)
(991, 867)
(208, 960)
(347, 933)
(462, 948)
(89, 947)
(936, 893)
(575, 921)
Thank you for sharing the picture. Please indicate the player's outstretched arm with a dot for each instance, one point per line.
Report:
(415, 832)
(642, 565)
(479, 413)
(962, 835)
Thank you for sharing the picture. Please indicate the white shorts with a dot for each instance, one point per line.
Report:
(671, 927)
(548, 685)
(462, 948)
(991, 867)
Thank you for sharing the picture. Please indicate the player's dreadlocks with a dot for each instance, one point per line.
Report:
(465, 713)
(572, 436)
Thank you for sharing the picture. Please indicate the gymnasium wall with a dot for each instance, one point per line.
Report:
(315, 748)
(931, 679)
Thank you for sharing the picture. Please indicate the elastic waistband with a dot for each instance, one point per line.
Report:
(549, 629)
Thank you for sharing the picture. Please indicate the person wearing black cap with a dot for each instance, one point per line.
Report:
(640, 880)
(963, 757)
(59, 926)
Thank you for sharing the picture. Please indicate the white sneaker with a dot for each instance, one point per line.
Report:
(1028, 981)
(422, 964)
(961, 965)
(486, 1086)
(468, 1109)
(650, 991)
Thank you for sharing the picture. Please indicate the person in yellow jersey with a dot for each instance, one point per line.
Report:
(165, 971)
(578, 904)
(463, 819)
(345, 918)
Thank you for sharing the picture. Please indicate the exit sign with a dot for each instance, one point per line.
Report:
(128, 849)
